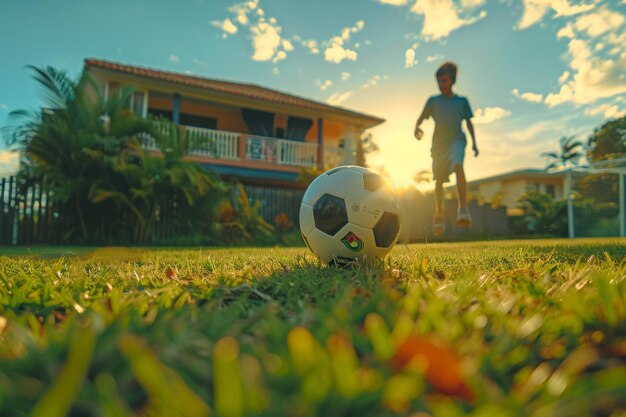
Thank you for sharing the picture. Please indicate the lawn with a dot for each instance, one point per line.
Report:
(507, 328)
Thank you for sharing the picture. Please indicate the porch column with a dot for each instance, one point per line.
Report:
(176, 109)
(242, 143)
(349, 145)
(320, 144)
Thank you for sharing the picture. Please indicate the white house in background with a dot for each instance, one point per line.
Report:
(508, 187)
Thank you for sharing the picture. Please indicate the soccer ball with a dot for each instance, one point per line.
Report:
(349, 213)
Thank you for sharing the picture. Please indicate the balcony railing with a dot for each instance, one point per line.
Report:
(280, 151)
(220, 144)
(212, 143)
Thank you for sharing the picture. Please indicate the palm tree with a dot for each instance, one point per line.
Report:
(570, 151)
(147, 184)
(422, 176)
(86, 150)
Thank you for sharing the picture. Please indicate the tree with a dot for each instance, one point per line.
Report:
(147, 185)
(422, 176)
(570, 151)
(87, 152)
(542, 214)
(608, 140)
(364, 147)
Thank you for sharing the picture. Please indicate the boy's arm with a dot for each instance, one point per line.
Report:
(418, 132)
(470, 127)
(425, 115)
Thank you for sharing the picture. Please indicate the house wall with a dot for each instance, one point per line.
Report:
(512, 190)
(488, 190)
(230, 119)
(228, 116)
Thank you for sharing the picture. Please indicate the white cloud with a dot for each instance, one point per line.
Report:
(226, 25)
(345, 76)
(610, 111)
(242, 18)
(311, 45)
(594, 77)
(338, 98)
(174, 58)
(409, 58)
(394, 2)
(3, 106)
(566, 31)
(337, 53)
(287, 46)
(280, 55)
(599, 22)
(265, 33)
(532, 97)
(563, 77)
(324, 85)
(372, 81)
(433, 58)
(489, 115)
(534, 10)
(241, 11)
(265, 40)
(472, 3)
(275, 71)
(441, 17)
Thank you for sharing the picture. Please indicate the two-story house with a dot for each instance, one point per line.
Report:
(257, 135)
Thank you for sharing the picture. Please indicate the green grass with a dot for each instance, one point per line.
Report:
(529, 328)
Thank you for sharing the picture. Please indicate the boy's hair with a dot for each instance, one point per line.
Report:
(449, 68)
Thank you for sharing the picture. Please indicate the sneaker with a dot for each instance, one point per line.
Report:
(464, 219)
(438, 224)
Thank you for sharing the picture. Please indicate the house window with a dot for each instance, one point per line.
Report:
(280, 132)
(138, 103)
(551, 190)
(158, 113)
(198, 121)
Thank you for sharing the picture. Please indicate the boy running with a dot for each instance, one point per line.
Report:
(449, 142)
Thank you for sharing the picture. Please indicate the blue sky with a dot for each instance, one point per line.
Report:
(533, 70)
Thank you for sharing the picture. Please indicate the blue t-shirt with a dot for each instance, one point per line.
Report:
(448, 113)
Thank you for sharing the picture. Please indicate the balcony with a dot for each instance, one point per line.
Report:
(246, 149)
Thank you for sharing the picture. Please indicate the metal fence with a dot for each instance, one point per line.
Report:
(28, 216)
(275, 201)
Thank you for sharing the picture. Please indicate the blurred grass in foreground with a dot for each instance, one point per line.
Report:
(489, 328)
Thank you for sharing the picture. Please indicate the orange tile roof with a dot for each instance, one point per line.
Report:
(228, 87)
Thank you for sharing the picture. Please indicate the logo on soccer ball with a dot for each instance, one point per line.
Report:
(352, 242)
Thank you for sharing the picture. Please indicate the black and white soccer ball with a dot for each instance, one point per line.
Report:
(349, 213)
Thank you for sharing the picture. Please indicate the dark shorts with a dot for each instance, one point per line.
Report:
(444, 162)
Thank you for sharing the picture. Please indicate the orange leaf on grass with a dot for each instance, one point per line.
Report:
(438, 361)
(169, 272)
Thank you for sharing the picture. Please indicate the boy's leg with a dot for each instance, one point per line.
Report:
(438, 219)
(461, 186)
(464, 218)
(439, 197)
